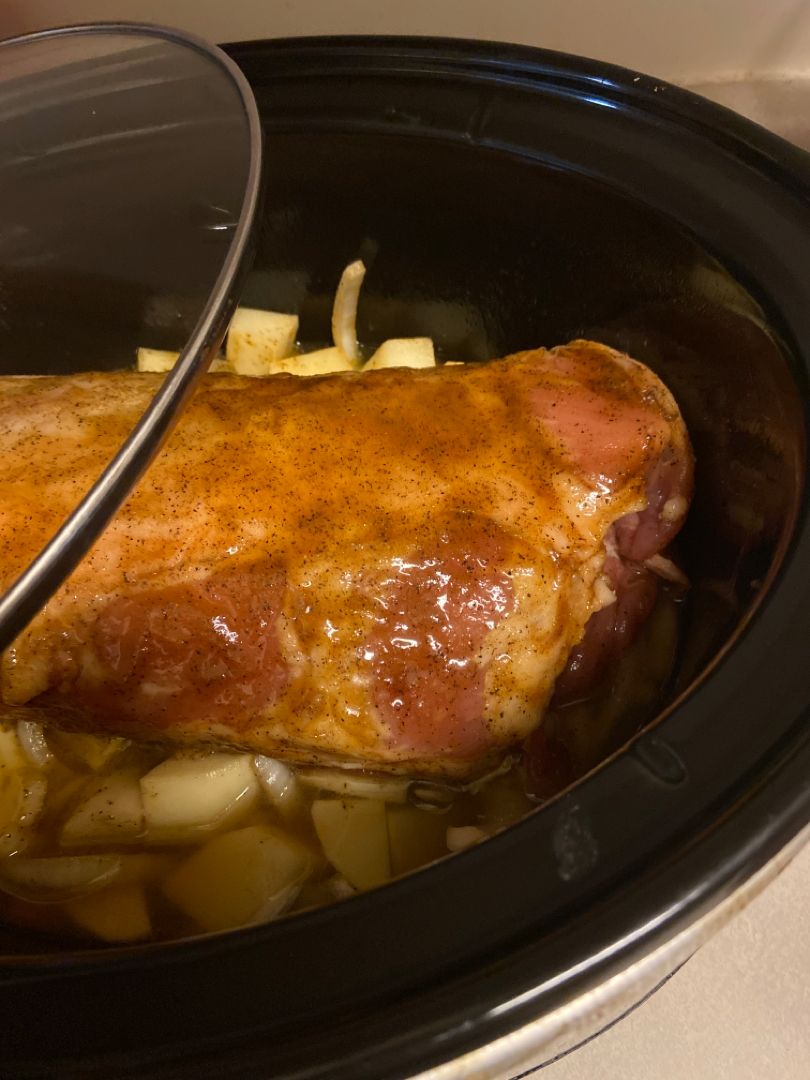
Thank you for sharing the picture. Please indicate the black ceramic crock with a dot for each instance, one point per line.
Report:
(505, 198)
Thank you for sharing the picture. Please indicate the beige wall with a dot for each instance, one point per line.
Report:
(681, 40)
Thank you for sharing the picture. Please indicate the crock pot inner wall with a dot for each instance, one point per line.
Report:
(489, 253)
(450, 256)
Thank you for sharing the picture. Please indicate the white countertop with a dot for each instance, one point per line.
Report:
(739, 1009)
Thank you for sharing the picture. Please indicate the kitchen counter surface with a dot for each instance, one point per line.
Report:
(739, 1009)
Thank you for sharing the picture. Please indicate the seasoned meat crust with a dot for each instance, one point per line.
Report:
(387, 569)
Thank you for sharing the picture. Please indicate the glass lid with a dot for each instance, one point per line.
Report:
(129, 180)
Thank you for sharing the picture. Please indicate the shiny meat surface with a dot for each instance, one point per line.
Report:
(387, 569)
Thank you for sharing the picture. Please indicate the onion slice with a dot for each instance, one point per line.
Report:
(32, 742)
(280, 784)
(666, 569)
(355, 785)
(344, 311)
(55, 879)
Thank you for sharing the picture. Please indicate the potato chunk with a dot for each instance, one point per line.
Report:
(257, 339)
(22, 792)
(161, 360)
(416, 837)
(403, 352)
(12, 755)
(280, 785)
(185, 796)
(354, 837)
(320, 362)
(143, 867)
(112, 813)
(243, 877)
(115, 914)
(156, 359)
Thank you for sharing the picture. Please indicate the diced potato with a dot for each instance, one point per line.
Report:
(320, 362)
(12, 755)
(354, 837)
(156, 359)
(186, 796)
(415, 837)
(318, 893)
(403, 352)
(22, 793)
(146, 866)
(356, 784)
(56, 878)
(118, 913)
(64, 789)
(280, 784)
(112, 813)
(257, 339)
(243, 877)
(13, 836)
(162, 360)
(92, 752)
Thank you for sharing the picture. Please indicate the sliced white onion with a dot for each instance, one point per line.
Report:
(279, 783)
(674, 509)
(339, 887)
(356, 785)
(57, 878)
(33, 742)
(464, 836)
(344, 310)
(666, 569)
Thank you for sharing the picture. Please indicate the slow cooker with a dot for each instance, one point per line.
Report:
(505, 198)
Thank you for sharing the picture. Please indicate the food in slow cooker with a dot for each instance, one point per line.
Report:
(397, 572)
(388, 570)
